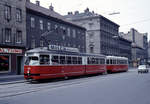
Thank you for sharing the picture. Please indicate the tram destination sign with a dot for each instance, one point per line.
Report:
(10, 50)
(62, 48)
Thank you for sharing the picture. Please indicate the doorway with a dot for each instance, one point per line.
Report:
(20, 65)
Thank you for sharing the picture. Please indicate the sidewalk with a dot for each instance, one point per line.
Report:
(10, 79)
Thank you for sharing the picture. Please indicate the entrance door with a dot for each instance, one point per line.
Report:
(19, 64)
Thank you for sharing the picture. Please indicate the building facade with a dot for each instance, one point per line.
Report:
(100, 32)
(125, 48)
(149, 52)
(139, 46)
(12, 36)
(61, 32)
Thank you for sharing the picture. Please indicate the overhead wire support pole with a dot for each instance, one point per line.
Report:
(43, 36)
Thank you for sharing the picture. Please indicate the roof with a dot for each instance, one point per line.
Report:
(48, 12)
(85, 15)
(116, 57)
(45, 50)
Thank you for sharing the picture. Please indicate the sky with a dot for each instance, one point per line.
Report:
(133, 13)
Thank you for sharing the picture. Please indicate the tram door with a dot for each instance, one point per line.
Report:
(63, 66)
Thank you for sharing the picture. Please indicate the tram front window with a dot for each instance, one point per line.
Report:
(32, 61)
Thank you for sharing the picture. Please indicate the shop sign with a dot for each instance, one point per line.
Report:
(62, 48)
(10, 50)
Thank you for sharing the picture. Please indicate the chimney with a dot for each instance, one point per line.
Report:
(69, 13)
(37, 3)
(76, 12)
(51, 7)
(86, 10)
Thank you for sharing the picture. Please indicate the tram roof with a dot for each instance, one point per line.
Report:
(45, 50)
(116, 57)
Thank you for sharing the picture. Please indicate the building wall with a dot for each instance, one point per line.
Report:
(100, 32)
(63, 33)
(92, 34)
(12, 24)
(125, 48)
(12, 36)
(109, 37)
(139, 46)
(136, 37)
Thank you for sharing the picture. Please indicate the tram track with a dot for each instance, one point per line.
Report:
(26, 88)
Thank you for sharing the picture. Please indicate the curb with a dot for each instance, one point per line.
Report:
(12, 82)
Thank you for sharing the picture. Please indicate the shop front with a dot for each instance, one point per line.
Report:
(11, 60)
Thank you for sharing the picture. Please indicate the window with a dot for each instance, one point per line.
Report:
(7, 35)
(44, 59)
(32, 61)
(79, 60)
(7, 12)
(68, 32)
(41, 25)
(33, 43)
(48, 26)
(32, 22)
(74, 60)
(62, 60)
(107, 61)
(102, 61)
(111, 61)
(64, 30)
(91, 49)
(55, 60)
(18, 15)
(4, 63)
(63, 37)
(19, 37)
(96, 61)
(89, 60)
(74, 34)
(41, 43)
(56, 28)
(93, 61)
(68, 60)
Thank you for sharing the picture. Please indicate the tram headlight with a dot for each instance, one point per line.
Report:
(28, 71)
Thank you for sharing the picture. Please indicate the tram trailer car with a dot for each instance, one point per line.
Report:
(42, 63)
(116, 64)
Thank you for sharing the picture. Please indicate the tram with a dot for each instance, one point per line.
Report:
(116, 64)
(56, 61)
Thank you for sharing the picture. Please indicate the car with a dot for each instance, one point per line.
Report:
(143, 69)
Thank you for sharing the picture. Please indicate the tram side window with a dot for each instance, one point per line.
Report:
(89, 61)
(102, 61)
(110, 61)
(68, 60)
(55, 60)
(107, 61)
(114, 61)
(74, 60)
(62, 60)
(44, 59)
(117, 61)
(79, 60)
(93, 61)
(126, 62)
(97, 61)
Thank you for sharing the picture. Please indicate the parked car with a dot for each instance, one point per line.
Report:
(143, 69)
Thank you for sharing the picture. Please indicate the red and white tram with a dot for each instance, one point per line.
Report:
(44, 63)
(116, 64)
